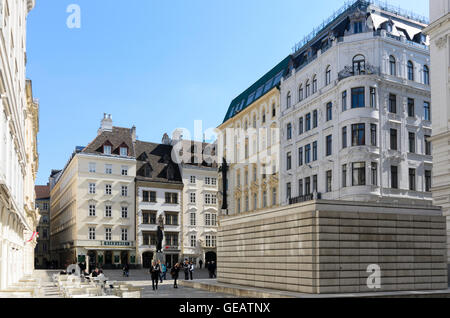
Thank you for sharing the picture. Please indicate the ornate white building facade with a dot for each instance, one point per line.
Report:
(18, 147)
(439, 32)
(355, 109)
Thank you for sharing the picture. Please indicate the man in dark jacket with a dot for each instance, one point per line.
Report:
(186, 270)
(174, 272)
(200, 263)
(154, 271)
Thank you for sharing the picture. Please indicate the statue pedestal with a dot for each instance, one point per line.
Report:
(159, 256)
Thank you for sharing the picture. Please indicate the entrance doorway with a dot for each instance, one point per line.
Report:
(147, 258)
(124, 257)
(92, 260)
(108, 258)
(171, 260)
(210, 257)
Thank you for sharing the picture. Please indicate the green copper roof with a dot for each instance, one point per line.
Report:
(259, 89)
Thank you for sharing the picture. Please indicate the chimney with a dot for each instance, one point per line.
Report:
(133, 133)
(106, 124)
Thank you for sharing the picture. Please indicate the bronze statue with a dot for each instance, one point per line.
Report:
(160, 234)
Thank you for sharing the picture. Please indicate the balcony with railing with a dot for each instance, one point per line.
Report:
(354, 70)
(305, 198)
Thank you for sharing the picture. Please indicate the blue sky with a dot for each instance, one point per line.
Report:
(158, 65)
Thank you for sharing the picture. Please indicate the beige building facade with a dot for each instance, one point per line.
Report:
(18, 147)
(248, 147)
(92, 202)
(439, 32)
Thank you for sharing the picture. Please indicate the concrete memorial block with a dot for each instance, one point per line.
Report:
(370, 247)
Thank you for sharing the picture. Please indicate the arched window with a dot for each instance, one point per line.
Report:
(328, 75)
(359, 65)
(392, 65)
(263, 116)
(308, 89)
(288, 100)
(300, 93)
(274, 110)
(426, 75)
(410, 71)
(314, 84)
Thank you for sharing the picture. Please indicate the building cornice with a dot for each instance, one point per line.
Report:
(436, 24)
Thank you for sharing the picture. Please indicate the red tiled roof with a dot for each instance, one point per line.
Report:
(42, 192)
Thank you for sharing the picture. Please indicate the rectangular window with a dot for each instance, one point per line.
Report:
(124, 170)
(412, 179)
(359, 174)
(393, 103)
(193, 180)
(412, 142)
(107, 150)
(92, 233)
(289, 131)
(428, 148)
(308, 122)
(92, 167)
(300, 156)
(108, 234)
(428, 180)
(358, 135)
(171, 218)
(108, 211)
(329, 180)
(394, 177)
(314, 151)
(148, 217)
(374, 170)
(193, 240)
(373, 135)
(171, 198)
(427, 110)
(288, 161)
(300, 187)
(300, 125)
(123, 151)
(344, 101)
(315, 185)
(264, 199)
(394, 139)
(358, 97)
(91, 210)
(344, 176)
(124, 234)
(124, 191)
(288, 190)
(153, 196)
(329, 145)
(145, 196)
(329, 111)
(344, 137)
(308, 186)
(108, 189)
(315, 119)
(193, 219)
(92, 188)
(411, 108)
(108, 169)
(192, 198)
(307, 154)
(373, 97)
(124, 212)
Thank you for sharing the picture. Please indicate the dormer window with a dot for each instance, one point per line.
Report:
(123, 151)
(357, 27)
(107, 149)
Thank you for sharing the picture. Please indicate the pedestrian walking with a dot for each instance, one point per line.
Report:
(175, 272)
(200, 262)
(186, 270)
(126, 271)
(209, 267)
(163, 272)
(213, 269)
(154, 271)
(191, 270)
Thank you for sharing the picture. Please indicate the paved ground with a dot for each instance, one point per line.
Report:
(141, 278)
